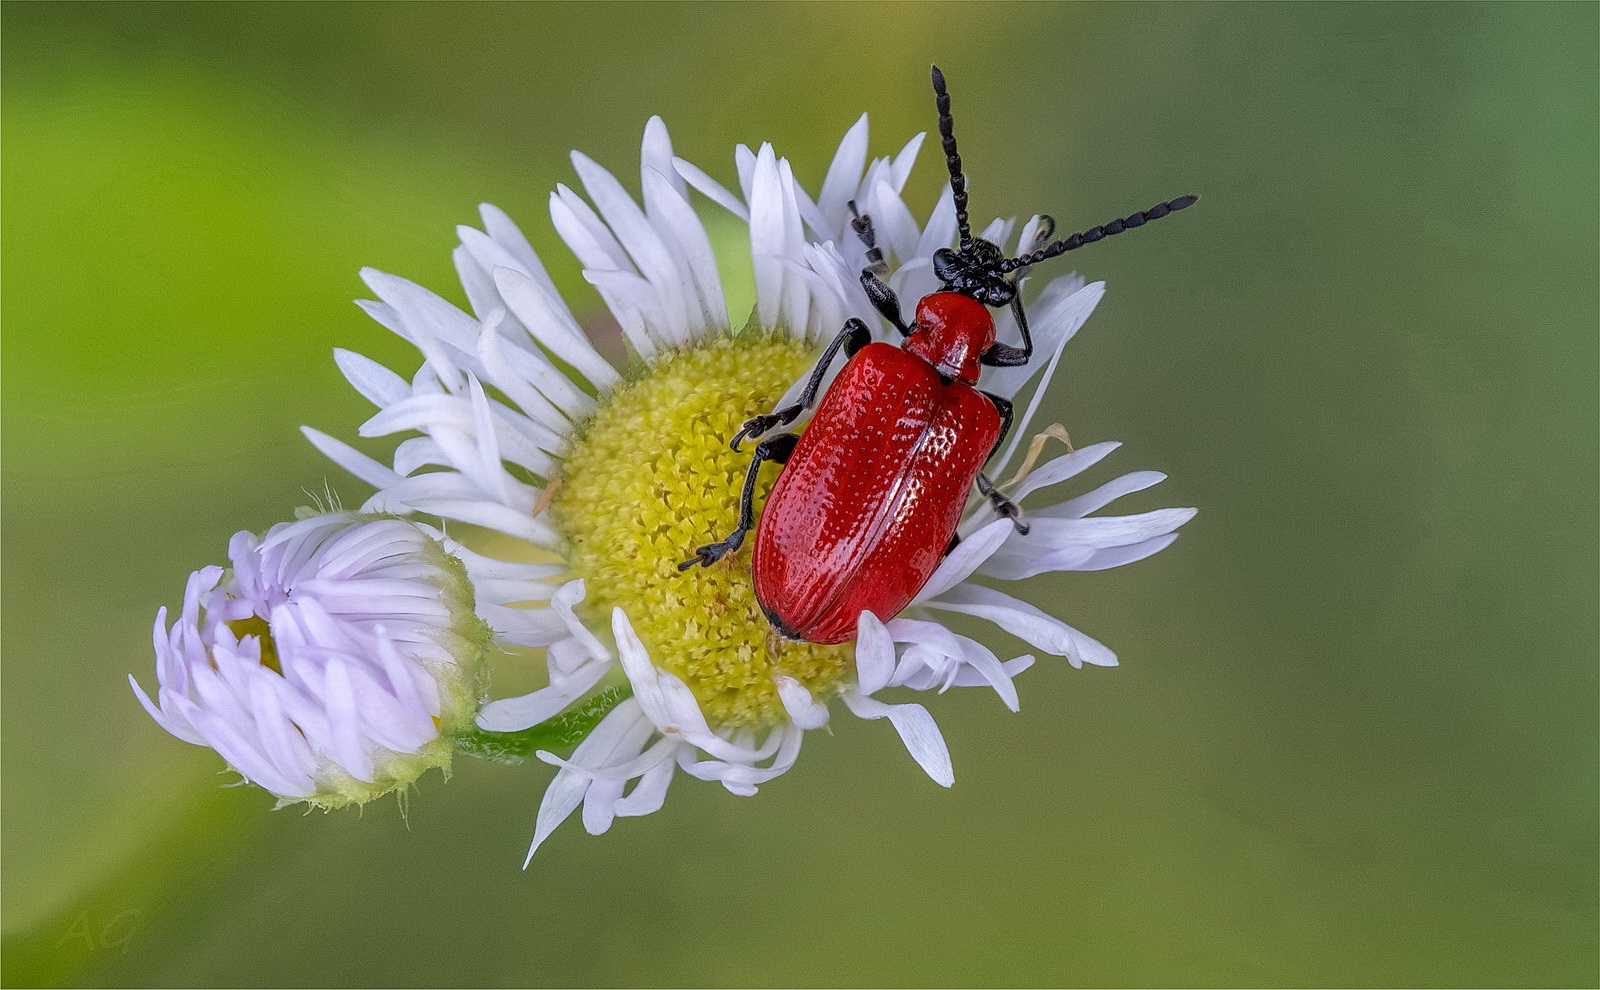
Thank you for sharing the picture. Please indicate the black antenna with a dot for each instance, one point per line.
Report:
(958, 181)
(1093, 234)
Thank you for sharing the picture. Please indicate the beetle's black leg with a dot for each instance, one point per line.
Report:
(883, 298)
(1004, 355)
(852, 338)
(775, 449)
(996, 497)
(1001, 503)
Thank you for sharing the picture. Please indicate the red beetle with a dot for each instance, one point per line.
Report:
(868, 501)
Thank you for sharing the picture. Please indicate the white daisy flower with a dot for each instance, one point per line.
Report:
(620, 473)
(336, 658)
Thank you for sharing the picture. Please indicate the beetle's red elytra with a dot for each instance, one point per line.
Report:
(870, 495)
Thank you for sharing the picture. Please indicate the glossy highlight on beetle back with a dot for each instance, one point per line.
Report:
(868, 503)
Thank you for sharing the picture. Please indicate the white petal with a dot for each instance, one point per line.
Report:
(516, 714)
(917, 730)
(968, 555)
(710, 188)
(548, 321)
(874, 654)
(1026, 622)
(804, 710)
(844, 175)
(372, 472)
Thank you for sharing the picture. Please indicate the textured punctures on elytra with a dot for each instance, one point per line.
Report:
(648, 476)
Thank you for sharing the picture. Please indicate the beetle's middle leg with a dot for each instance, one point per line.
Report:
(775, 449)
(852, 338)
(996, 497)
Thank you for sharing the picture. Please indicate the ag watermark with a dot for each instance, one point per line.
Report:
(98, 934)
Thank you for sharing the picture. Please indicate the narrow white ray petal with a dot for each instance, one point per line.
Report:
(655, 155)
(178, 728)
(550, 323)
(650, 793)
(529, 413)
(1109, 557)
(967, 675)
(589, 239)
(475, 280)
(844, 174)
(1059, 469)
(897, 230)
(904, 160)
(372, 472)
(627, 762)
(874, 654)
(599, 805)
(998, 231)
(744, 163)
(678, 225)
(519, 369)
(670, 313)
(980, 660)
(767, 237)
(941, 229)
(560, 800)
(796, 301)
(445, 335)
(1024, 621)
(710, 188)
(377, 384)
(917, 730)
(968, 555)
(528, 710)
(1062, 322)
(564, 602)
(1107, 531)
(804, 710)
(1101, 497)
(509, 236)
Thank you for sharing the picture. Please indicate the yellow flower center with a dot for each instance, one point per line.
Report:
(256, 626)
(649, 479)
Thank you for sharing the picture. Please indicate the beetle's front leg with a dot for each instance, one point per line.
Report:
(872, 277)
(775, 449)
(852, 338)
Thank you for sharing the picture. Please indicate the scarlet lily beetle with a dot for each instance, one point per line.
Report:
(868, 501)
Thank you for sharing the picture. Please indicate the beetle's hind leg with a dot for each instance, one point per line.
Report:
(775, 449)
(1001, 503)
(852, 338)
(996, 497)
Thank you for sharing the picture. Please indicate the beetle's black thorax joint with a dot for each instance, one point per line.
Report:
(975, 271)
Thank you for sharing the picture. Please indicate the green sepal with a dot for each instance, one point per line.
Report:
(560, 733)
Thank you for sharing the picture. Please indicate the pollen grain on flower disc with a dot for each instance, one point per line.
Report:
(649, 479)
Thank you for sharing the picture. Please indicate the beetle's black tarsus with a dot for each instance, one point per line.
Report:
(775, 449)
(1001, 503)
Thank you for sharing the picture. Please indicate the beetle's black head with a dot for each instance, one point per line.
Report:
(975, 271)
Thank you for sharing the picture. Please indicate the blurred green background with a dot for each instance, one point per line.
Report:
(1353, 740)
